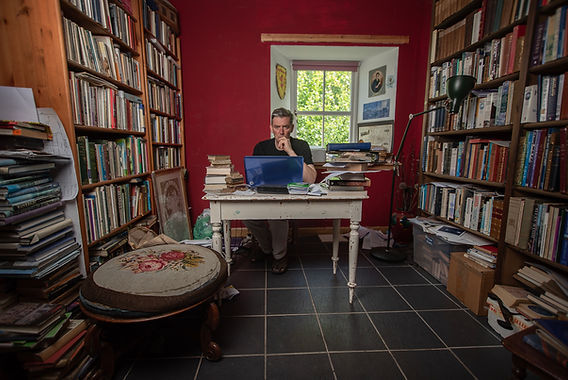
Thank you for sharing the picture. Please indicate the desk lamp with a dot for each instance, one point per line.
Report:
(458, 87)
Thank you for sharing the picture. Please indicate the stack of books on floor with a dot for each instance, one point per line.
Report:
(221, 175)
(551, 339)
(484, 255)
(49, 342)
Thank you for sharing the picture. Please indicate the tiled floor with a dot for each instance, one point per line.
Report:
(299, 325)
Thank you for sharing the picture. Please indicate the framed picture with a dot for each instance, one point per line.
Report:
(171, 203)
(378, 134)
(377, 78)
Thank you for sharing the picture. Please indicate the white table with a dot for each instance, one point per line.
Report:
(334, 205)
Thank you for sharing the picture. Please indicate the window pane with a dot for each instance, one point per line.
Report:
(336, 129)
(338, 91)
(310, 90)
(310, 129)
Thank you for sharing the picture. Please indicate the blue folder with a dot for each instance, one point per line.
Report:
(273, 170)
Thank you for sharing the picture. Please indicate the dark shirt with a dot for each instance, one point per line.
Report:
(268, 148)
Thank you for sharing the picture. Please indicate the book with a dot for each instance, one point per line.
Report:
(213, 170)
(73, 328)
(534, 311)
(346, 147)
(29, 317)
(548, 350)
(554, 332)
(511, 295)
(26, 168)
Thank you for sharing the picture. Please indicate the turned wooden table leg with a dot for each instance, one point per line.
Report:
(97, 347)
(210, 349)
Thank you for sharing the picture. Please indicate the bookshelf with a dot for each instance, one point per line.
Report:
(495, 41)
(119, 100)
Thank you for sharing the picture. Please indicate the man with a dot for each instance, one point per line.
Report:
(272, 235)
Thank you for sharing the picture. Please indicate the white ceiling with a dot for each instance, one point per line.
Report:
(334, 53)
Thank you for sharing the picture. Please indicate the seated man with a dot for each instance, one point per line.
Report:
(272, 235)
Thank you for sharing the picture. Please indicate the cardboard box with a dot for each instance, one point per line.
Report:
(433, 253)
(495, 315)
(470, 282)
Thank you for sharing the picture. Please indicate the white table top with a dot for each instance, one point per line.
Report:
(332, 195)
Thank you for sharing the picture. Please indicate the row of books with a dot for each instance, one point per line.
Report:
(102, 160)
(491, 17)
(489, 108)
(165, 129)
(538, 227)
(98, 103)
(550, 40)
(163, 98)
(157, 27)
(99, 54)
(446, 8)
(542, 156)
(547, 100)
(474, 158)
(496, 58)
(111, 206)
(112, 18)
(161, 63)
(221, 176)
(166, 157)
(484, 255)
(472, 207)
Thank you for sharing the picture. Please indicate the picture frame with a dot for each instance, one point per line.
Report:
(171, 203)
(379, 134)
(377, 81)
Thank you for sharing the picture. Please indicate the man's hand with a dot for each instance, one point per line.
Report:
(283, 143)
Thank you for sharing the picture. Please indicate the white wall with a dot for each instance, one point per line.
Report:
(388, 58)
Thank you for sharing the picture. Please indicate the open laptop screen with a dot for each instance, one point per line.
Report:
(273, 170)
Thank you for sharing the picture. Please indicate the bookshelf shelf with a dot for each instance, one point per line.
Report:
(495, 185)
(115, 180)
(119, 229)
(167, 144)
(155, 40)
(83, 129)
(532, 256)
(545, 124)
(540, 193)
(551, 7)
(477, 233)
(161, 79)
(74, 66)
(165, 114)
(496, 82)
(474, 131)
(459, 15)
(120, 4)
(557, 66)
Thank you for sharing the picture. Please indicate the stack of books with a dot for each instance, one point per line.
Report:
(351, 156)
(348, 182)
(221, 176)
(484, 255)
(551, 339)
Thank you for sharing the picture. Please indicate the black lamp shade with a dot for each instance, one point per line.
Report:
(459, 86)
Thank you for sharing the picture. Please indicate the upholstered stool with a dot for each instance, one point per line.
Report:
(154, 283)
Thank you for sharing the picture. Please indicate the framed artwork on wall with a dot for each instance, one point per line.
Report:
(377, 79)
(171, 203)
(379, 134)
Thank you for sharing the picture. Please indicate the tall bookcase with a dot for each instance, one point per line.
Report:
(481, 153)
(94, 68)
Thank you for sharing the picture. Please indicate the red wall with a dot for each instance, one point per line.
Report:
(226, 83)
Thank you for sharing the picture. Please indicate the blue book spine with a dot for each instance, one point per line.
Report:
(529, 143)
(348, 147)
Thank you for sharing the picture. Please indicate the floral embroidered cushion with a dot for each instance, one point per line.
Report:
(154, 280)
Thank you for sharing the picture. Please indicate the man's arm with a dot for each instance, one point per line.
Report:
(309, 174)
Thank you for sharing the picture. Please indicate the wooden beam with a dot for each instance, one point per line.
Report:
(335, 38)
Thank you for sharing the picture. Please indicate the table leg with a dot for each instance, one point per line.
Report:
(216, 242)
(227, 241)
(335, 256)
(353, 252)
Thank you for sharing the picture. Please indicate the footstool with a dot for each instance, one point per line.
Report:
(150, 284)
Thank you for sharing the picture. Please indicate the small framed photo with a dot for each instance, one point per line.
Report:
(378, 134)
(171, 203)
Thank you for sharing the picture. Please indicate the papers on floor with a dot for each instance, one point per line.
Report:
(451, 234)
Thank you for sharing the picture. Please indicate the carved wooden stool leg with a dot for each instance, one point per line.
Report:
(210, 349)
(97, 347)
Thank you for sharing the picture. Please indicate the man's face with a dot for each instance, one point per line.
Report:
(281, 127)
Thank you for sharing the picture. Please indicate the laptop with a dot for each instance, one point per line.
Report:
(272, 174)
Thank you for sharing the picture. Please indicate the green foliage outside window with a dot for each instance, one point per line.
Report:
(310, 98)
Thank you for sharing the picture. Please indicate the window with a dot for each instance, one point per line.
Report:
(324, 104)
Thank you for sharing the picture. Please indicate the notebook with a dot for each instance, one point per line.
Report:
(271, 174)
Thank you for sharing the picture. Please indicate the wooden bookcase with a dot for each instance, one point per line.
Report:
(451, 49)
(55, 59)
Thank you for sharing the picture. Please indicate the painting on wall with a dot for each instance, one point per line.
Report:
(172, 205)
(378, 134)
(281, 80)
(377, 81)
(376, 110)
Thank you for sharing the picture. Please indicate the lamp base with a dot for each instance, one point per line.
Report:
(391, 254)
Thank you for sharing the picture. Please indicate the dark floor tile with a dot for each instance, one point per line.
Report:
(288, 279)
(241, 262)
(165, 368)
(293, 262)
(241, 335)
(365, 365)
(347, 332)
(289, 301)
(334, 300)
(247, 302)
(382, 263)
(362, 262)
(325, 278)
(293, 334)
(240, 368)
(404, 331)
(428, 276)
(247, 279)
(299, 367)
(444, 290)
(458, 329)
(380, 299)
(402, 275)
(435, 365)
(168, 337)
(368, 277)
(424, 297)
(316, 261)
(486, 363)
(122, 369)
